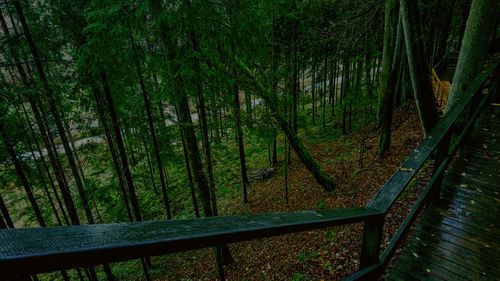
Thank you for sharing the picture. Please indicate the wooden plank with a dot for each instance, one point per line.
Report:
(473, 197)
(473, 242)
(35, 250)
(467, 213)
(472, 170)
(399, 274)
(441, 249)
(484, 183)
(467, 230)
(455, 247)
(479, 190)
(431, 256)
(476, 225)
(458, 237)
(403, 229)
(387, 195)
(425, 270)
(473, 203)
(465, 210)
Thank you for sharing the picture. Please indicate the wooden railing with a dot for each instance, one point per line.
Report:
(28, 251)
(441, 89)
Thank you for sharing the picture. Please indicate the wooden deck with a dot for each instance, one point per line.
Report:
(458, 237)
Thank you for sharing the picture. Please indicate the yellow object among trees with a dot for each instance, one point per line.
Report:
(441, 90)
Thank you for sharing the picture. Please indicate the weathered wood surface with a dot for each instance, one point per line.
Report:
(458, 237)
(35, 250)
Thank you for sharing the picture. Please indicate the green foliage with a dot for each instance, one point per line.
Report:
(182, 47)
(299, 277)
(320, 205)
(331, 235)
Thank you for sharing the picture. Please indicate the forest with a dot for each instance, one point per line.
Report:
(116, 111)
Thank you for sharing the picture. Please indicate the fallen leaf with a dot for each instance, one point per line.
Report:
(407, 169)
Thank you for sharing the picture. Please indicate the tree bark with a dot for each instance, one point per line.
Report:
(150, 166)
(324, 90)
(313, 92)
(475, 43)
(389, 74)
(193, 153)
(3, 225)
(188, 166)
(295, 76)
(5, 213)
(241, 145)
(419, 67)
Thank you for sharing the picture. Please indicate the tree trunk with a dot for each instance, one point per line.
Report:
(111, 146)
(324, 90)
(475, 43)
(295, 78)
(332, 86)
(275, 149)
(3, 225)
(241, 147)
(313, 92)
(345, 90)
(45, 166)
(121, 148)
(419, 68)
(42, 181)
(151, 125)
(274, 93)
(5, 213)
(389, 75)
(444, 31)
(203, 122)
(188, 166)
(68, 200)
(222, 252)
(314, 168)
(55, 113)
(150, 167)
(193, 153)
(22, 176)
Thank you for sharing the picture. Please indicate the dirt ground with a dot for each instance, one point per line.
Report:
(324, 254)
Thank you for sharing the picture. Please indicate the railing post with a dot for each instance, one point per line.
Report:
(442, 151)
(372, 236)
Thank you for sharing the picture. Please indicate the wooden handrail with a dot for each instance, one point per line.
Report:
(44, 249)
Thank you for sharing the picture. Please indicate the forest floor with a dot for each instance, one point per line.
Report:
(325, 254)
